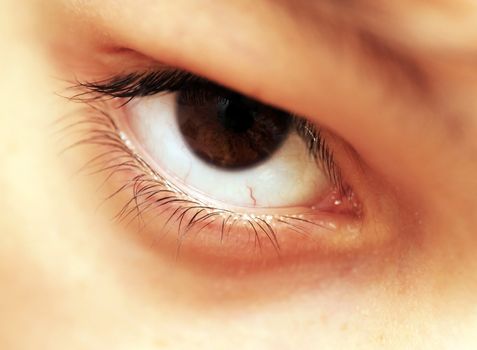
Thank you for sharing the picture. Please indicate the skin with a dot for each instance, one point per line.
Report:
(404, 101)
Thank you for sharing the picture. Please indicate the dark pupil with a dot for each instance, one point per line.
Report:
(235, 116)
(233, 132)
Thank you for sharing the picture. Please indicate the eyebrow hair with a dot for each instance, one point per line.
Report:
(343, 24)
(394, 60)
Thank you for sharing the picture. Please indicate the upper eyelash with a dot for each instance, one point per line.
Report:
(142, 84)
(136, 84)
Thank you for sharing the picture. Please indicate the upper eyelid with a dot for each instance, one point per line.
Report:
(386, 64)
(394, 68)
(142, 84)
(390, 66)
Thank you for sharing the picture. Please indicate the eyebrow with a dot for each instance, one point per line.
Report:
(394, 62)
(398, 63)
(342, 23)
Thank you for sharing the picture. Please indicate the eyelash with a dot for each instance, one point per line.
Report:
(150, 190)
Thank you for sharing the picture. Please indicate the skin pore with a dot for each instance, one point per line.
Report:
(395, 80)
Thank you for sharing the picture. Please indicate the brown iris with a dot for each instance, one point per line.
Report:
(233, 132)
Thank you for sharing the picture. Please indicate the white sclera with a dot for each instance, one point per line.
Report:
(289, 178)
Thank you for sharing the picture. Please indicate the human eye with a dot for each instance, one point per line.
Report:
(212, 169)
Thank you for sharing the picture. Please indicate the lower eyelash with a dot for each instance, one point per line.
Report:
(149, 191)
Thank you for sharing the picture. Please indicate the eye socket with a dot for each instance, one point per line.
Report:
(229, 151)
